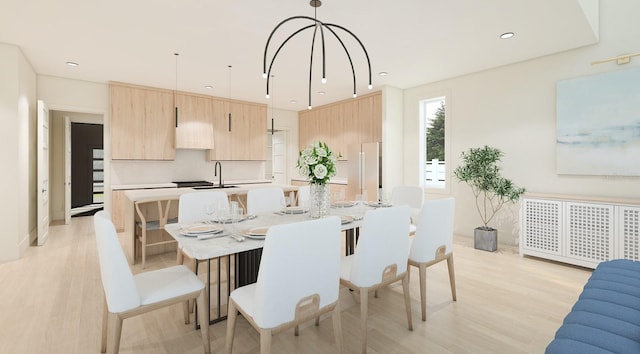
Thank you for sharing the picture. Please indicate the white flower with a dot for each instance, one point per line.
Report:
(304, 170)
(311, 160)
(307, 152)
(321, 152)
(320, 171)
(316, 144)
(333, 158)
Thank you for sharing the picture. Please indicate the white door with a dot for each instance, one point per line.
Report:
(279, 158)
(43, 173)
(67, 170)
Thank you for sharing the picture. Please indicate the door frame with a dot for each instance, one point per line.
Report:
(106, 145)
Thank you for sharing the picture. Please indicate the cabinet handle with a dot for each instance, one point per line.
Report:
(229, 121)
(176, 117)
(272, 126)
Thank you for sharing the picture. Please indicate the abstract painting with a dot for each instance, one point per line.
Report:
(598, 124)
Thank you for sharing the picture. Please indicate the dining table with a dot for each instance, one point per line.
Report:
(232, 239)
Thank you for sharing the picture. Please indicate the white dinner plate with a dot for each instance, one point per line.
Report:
(378, 204)
(345, 219)
(343, 204)
(258, 233)
(201, 229)
(294, 210)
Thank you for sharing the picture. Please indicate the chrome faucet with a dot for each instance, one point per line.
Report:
(219, 174)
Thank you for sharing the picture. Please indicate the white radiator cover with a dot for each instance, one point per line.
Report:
(578, 231)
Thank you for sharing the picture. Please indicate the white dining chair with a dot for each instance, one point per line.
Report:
(298, 281)
(380, 259)
(265, 200)
(413, 196)
(191, 207)
(433, 244)
(304, 196)
(128, 295)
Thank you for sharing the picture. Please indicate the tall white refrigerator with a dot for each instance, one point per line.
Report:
(365, 171)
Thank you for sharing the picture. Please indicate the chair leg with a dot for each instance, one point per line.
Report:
(265, 341)
(105, 324)
(296, 331)
(364, 305)
(422, 270)
(143, 245)
(185, 311)
(407, 300)
(337, 327)
(116, 332)
(452, 276)
(232, 314)
(203, 311)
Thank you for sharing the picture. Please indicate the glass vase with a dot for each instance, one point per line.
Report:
(320, 200)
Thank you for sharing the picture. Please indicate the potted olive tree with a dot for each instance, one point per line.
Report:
(480, 171)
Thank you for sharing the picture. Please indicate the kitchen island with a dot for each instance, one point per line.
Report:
(237, 192)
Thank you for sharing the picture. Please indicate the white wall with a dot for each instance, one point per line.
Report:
(392, 137)
(17, 181)
(61, 94)
(513, 108)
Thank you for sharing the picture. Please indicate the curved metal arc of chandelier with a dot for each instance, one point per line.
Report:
(316, 24)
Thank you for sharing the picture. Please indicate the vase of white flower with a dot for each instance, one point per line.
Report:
(320, 200)
(318, 163)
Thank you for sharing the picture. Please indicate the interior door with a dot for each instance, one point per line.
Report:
(67, 170)
(43, 173)
(279, 158)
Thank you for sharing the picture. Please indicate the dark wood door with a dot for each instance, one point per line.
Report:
(85, 138)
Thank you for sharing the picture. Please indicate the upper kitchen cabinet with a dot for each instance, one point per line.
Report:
(142, 123)
(340, 124)
(239, 130)
(194, 124)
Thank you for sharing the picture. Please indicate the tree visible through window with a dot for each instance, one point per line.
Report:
(433, 145)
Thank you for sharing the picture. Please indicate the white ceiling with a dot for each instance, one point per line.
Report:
(415, 41)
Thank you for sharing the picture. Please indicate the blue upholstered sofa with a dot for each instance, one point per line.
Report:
(606, 317)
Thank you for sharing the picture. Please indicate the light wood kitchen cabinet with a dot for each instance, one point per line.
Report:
(241, 136)
(142, 123)
(340, 124)
(194, 126)
(221, 130)
(117, 209)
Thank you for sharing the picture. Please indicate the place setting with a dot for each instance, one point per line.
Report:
(202, 231)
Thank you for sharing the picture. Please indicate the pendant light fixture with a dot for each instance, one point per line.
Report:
(175, 92)
(272, 117)
(318, 26)
(229, 96)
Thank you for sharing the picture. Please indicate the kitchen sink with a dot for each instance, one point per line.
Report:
(213, 187)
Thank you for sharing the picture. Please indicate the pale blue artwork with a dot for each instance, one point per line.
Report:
(598, 124)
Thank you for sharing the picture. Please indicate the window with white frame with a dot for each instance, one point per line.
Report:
(432, 143)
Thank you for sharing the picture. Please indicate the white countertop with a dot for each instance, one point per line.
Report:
(119, 187)
(135, 195)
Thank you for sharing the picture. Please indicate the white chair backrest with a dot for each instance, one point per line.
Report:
(119, 286)
(191, 206)
(434, 229)
(264, 200)
(298, 260)
(412, 196)
(383, 241)
(304, 196)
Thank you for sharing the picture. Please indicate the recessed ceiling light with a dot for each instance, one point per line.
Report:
(70, 63)
(506, 35)
(209, 87)
(293, 101)
(321, 92)
(383, 73)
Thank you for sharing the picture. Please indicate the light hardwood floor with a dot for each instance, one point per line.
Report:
(51, 302)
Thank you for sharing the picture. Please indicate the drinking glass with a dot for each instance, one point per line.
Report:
(210, 210)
